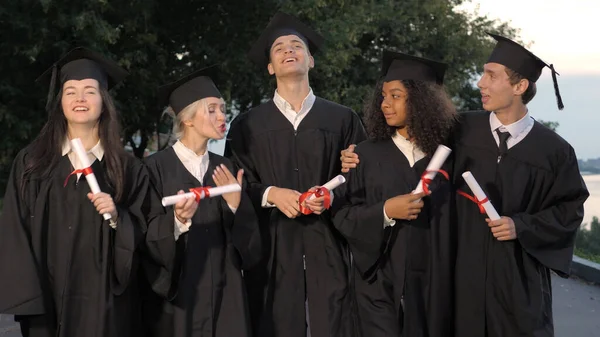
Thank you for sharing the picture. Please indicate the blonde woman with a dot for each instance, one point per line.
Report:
(218, 236)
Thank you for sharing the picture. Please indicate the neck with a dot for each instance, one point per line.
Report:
(293, 90)
(511, 114)
(196, 144)
(403, 131)
(87, 134)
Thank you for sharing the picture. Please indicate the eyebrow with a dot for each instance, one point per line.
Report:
(86, 87)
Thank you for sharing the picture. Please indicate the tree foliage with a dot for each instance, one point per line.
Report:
(159, 41)
(587, 243)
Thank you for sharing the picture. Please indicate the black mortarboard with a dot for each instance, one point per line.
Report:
(282, 24)
(188, 89)
(81, 63)
(515, 57)
(398, 66)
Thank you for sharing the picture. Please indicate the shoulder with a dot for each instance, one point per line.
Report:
(371, 146)
(333, 107)
(551, 143)
(217, 159)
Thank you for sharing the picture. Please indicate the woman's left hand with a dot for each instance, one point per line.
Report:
(104, 204)
(222, 177)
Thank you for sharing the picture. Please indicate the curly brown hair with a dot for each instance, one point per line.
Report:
(431, 115)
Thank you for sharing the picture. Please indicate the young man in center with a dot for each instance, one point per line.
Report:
(287, 146)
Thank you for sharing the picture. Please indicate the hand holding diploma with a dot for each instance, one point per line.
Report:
(102, 202)
(318, 198)
(435, 166)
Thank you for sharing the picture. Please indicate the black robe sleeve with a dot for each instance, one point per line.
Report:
(360, 223)
(162, 262)
(549, 235)
(243, 226)
(236, 149)
(20, 286)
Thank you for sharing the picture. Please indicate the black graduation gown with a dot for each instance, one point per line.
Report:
(503, 288)
(264, 143)
(59, 258)
(411, 260)
(210, 299)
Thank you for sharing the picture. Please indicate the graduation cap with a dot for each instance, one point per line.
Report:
(190, 88)
(81, 63)
(515, 57)
(399, 66)
(283, 24)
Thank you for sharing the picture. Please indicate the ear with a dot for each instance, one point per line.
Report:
(188, 123)
(271, 69)
(311, 62)
(520, 88)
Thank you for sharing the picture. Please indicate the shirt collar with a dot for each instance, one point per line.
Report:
(190, 154)
(97, 150)
(515, 128)
(283, 105)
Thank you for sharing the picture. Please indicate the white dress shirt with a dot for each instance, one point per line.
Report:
(95, 153)
(294, 118)
(518, 130)
(197, 165)
(413, 154)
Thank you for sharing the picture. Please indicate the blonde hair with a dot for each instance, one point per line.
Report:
(189, 112)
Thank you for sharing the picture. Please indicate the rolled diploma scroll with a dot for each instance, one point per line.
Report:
(214, 191)
(85, 162)
(438, 159)
(333, 183)
(480, 195)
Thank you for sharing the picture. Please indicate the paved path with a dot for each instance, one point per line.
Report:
(576, 310)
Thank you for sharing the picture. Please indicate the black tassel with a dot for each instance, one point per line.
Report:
(51, 93)
(556, 91)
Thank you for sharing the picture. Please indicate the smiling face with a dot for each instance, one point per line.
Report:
(81, 101)
(393, 105)
(289, 55)
(209, 121)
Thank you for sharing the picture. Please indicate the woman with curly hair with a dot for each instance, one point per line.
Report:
(401, 242)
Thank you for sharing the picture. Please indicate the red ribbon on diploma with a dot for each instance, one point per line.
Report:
(319, 192)
(198, 192)
(85, 171)
(427, 181)
(474, 199)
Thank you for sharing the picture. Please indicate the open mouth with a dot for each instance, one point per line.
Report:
(485, 98)
(289, 60)
(80, 109)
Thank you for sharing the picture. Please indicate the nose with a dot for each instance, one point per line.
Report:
(481, 82)
(80, 97)
(384, 103)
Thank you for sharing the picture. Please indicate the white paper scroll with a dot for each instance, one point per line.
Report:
(480, 195)
(85, 162)
(332, 184)
(438, 159)
(213, 192)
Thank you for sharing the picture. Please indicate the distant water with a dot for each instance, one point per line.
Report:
(592, 205)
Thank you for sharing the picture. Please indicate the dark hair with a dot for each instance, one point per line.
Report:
(430, 115)
(514, 78)
(45, 151)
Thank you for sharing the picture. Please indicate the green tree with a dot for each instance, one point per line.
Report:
(550, 124)
(587, 242)
(159, 41)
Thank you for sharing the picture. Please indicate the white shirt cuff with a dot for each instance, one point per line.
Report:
(180, 227)
(265, 203)
(387, 221)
